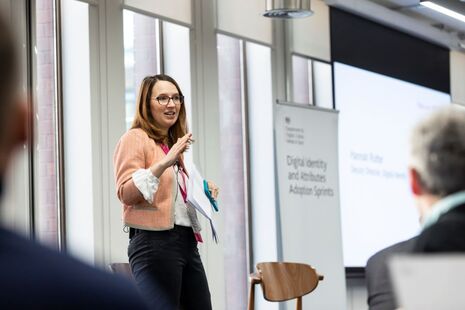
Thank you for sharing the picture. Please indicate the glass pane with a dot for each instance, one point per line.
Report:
(77, 129)
(302, 80)
(323, 80)
(177, 64)
(311, 86)
(260, 108)
(262, 180)
(45, 147)
(141, 55)
(233, 171)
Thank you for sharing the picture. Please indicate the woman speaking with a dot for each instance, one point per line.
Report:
(151, 184)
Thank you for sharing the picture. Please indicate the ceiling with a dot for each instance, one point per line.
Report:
(410, 16)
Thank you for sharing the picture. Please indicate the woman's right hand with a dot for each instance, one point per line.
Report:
(173, 155)
(177, 149)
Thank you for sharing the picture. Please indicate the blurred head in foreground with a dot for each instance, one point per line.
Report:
(13, 114)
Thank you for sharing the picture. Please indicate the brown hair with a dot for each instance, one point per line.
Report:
(144, 118)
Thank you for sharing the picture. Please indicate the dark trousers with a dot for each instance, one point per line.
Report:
(168, 269)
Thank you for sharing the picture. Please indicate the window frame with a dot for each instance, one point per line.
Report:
(312, 60)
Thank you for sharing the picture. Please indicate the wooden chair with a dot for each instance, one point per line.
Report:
(283, 281)
(123, 269)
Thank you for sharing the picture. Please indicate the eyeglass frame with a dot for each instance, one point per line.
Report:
(181, 99)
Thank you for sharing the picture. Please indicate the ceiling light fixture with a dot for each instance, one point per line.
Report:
(443, 10)
(288, 8)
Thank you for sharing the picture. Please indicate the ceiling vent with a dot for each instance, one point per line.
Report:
(288, 8)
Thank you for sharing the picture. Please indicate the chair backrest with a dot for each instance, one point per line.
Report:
(282, 281)
(121, 268)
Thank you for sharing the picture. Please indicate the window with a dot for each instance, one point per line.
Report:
(176, 63)
(246, 113)
(260, 131)
(233, 169)
(77, 131)
(176, 58)
(302, 80)
(141, 55)
(146, 53)
(45, 125)
(312, 82)
(323, 84)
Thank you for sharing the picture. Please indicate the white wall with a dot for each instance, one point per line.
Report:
(112, 125)
(179, 10)
(311, 36)
(251, 23)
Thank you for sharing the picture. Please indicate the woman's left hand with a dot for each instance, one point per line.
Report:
(214, 190)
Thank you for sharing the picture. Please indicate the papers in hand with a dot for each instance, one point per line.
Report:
(197, 199)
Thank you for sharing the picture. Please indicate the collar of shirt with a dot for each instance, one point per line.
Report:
(443, 206)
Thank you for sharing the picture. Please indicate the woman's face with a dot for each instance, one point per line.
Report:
(164, 115)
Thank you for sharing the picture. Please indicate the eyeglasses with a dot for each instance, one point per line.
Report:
(164, 99)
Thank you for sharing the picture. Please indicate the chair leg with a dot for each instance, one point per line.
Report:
(251, 296)
(254, 278)
(299, 303)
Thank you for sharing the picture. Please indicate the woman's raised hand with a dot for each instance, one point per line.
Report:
(177, 149)
(173, 155)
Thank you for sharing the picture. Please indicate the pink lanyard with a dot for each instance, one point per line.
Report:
(166, 149)
(181, 169)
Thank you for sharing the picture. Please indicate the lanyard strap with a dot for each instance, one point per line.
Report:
(181, 169)
(166, 149)
(183, 190)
